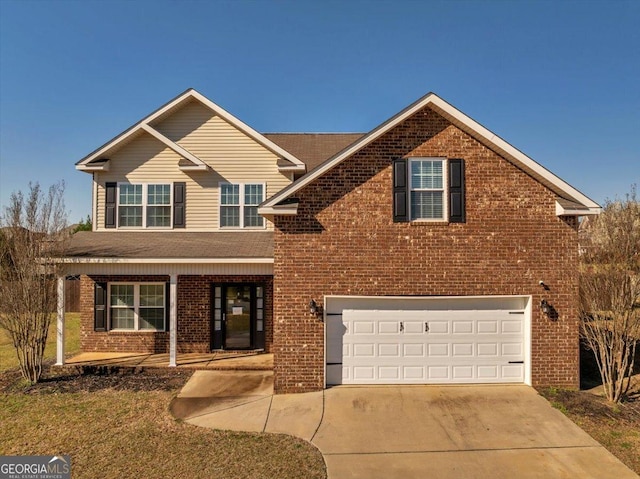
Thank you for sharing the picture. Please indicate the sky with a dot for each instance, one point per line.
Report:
(559, 80)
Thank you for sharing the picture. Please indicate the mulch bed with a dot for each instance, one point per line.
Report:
(74, 379)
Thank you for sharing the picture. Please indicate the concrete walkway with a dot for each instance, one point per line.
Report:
(406, 431)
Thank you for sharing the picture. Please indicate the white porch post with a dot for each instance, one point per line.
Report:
(60, 325)
(173, 319)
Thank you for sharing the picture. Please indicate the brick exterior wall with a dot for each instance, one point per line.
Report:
(194, 315)
(343, 241)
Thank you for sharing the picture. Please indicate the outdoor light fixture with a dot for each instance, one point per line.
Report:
(545, 307)
(313, 307)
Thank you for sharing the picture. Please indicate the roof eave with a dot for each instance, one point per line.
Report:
(90, 168)
(580, 211)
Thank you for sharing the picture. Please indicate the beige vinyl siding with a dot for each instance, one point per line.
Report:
(231, 155)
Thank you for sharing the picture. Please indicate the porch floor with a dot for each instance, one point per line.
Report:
(215, 361)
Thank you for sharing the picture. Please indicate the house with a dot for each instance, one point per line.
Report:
(428, 250)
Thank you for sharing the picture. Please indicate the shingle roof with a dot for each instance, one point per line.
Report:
(313, 148)
(171, 244)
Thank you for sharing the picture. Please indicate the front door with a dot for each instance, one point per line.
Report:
(237, 316)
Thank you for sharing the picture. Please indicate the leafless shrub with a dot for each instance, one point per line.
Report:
(610, 292)
(32, 237)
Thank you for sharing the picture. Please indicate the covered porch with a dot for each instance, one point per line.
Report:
(212, 361)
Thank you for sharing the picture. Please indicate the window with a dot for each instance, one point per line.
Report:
(137, 306)
(239, 205)
(144, 206)
(158, 205)
(130, 210)
(427, 183)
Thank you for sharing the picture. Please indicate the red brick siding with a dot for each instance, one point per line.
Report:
(194, 315)
(343, 241)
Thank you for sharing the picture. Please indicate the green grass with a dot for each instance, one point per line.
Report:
(9, 359)
(113, 433)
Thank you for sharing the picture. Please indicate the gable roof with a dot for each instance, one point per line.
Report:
(94, 161)
(313, 148)
(274, 204)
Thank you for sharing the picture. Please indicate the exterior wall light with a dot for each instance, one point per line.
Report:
(313, 307)
(545, 307)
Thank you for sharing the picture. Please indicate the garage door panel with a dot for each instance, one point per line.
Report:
(364, 350)
(488, 372)
(487, 349)
(513, 371)
(395, 346)
(413, 350)
(512, 349)
(512, 326)
(364, 327)
(487, 326)
(389, 350)
(462, 326)
(438, 327)
(438, 349)
(414, 327)
(462, 350)
(363, 373)
(389, 372)
(465, 372)
(388, 327)
(414, 373)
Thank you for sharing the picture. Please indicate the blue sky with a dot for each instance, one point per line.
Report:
(560, 80)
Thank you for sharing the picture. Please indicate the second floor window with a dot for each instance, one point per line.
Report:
(427, 182)
(144, 205)
(239, 205)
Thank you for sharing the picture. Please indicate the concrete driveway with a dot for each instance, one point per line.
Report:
(407, 431)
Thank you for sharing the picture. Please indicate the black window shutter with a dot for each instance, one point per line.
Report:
(400, 191)
(179, 203)
(110, 205)
(100, 307)
(456, 191)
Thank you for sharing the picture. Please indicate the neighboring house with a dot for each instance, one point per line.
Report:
(410, 254)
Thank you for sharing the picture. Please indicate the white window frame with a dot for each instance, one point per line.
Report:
(444, 189)
(241, 205)
(145, 201)
(136, 305)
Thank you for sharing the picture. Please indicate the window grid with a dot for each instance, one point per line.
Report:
(239, 205)
(144, 205)
(137, 306)
(427, 182)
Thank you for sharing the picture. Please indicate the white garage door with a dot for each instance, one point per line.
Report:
(426, 340)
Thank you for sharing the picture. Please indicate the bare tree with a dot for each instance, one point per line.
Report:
(32, 237)
(610, 292)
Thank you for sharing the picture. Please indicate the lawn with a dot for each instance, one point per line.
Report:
(9, 359)
(121, 433)
(616, 427)
(119, 426)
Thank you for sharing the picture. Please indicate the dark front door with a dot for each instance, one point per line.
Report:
(237, 316)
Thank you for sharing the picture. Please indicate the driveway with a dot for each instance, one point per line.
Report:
(407, 431)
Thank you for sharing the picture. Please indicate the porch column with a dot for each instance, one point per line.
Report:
(60, 325)
(173, 319)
